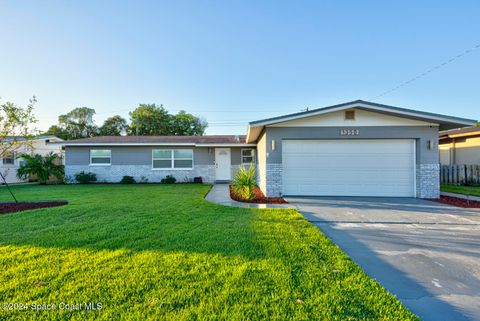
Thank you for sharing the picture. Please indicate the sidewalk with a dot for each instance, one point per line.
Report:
(464, 196)
(220, 194)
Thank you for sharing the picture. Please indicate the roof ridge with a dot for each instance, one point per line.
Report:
(359, 101)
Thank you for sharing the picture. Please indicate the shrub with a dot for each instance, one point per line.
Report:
(169, 179)
(144, 179)
(68, 179)
(41, 167)
(244, 182)
(85, 177)
(127, 180)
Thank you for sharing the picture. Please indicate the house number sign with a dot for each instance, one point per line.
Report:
(349, 132)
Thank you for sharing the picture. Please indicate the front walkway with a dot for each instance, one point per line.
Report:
(220, 194)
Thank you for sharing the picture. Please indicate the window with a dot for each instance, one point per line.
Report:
(350, 115)
(248, 156)
(9, 159)
(100, 157)
(172, 159)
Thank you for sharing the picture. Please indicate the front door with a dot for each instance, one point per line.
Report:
(222, 164)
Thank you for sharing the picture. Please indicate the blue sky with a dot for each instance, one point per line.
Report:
(236, 61)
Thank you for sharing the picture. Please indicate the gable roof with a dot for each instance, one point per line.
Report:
(444, 121)
(208, 140)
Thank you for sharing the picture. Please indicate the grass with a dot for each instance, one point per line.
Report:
(160, 252)
(467, 190)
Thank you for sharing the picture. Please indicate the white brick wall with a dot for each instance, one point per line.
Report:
(274, 180)
(428, 180)
(114, 173)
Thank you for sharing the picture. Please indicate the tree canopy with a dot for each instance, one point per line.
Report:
(145, 120)
(78, 123)
(151, 119)
(187, 124)
(16, 126)
(114, 126)
(57, 131)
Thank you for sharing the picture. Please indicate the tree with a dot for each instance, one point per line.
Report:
(150, 120)
(113, 126)
(188, 124)
(78, 123)
(43, 167)
(16, 127)
(57, 131)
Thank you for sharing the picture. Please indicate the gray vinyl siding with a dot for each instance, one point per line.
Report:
(236, 156)
(142, 155)
(422, 134)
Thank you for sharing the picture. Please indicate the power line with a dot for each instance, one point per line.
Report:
(191, 112)
(423, 74)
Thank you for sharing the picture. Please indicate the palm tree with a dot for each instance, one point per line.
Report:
(43, 167)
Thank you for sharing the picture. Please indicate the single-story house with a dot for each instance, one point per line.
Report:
(357, 148)
(459, 146)
(12, 161)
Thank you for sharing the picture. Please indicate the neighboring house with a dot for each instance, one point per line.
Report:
(460, 146)
(353, 149)
(10, 163)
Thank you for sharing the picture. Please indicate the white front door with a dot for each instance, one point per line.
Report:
(222, 164)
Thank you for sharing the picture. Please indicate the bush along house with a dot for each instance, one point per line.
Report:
(357, 148)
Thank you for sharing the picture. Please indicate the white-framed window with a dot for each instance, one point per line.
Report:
(172, 158)
(248, 156)
(9, 158)
(100, 157)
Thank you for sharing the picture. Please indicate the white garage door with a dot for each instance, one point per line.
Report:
(349, 167)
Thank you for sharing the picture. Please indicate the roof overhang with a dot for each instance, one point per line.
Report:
(255, 128)
(459, 135)
(225, 145)
(66, 143)
(46, 138)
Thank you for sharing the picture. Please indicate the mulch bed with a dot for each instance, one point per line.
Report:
(259, 198)
(455, 201)
(23, 206)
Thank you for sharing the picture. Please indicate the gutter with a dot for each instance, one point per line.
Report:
(154, 144)
(464, 134)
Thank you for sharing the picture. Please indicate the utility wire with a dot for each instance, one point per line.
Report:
(423, 74)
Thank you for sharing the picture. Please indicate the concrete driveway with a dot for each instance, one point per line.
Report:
(425, 253)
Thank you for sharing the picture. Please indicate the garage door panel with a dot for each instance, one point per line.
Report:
(390, 161)
(341, 167)
(342, 178)
(336, 190)
(348, 167)
(350, 171)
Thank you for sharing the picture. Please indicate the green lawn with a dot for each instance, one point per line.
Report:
(468, 190)
(163, 252)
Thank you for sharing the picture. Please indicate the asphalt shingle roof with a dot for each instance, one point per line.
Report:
(208, 139)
